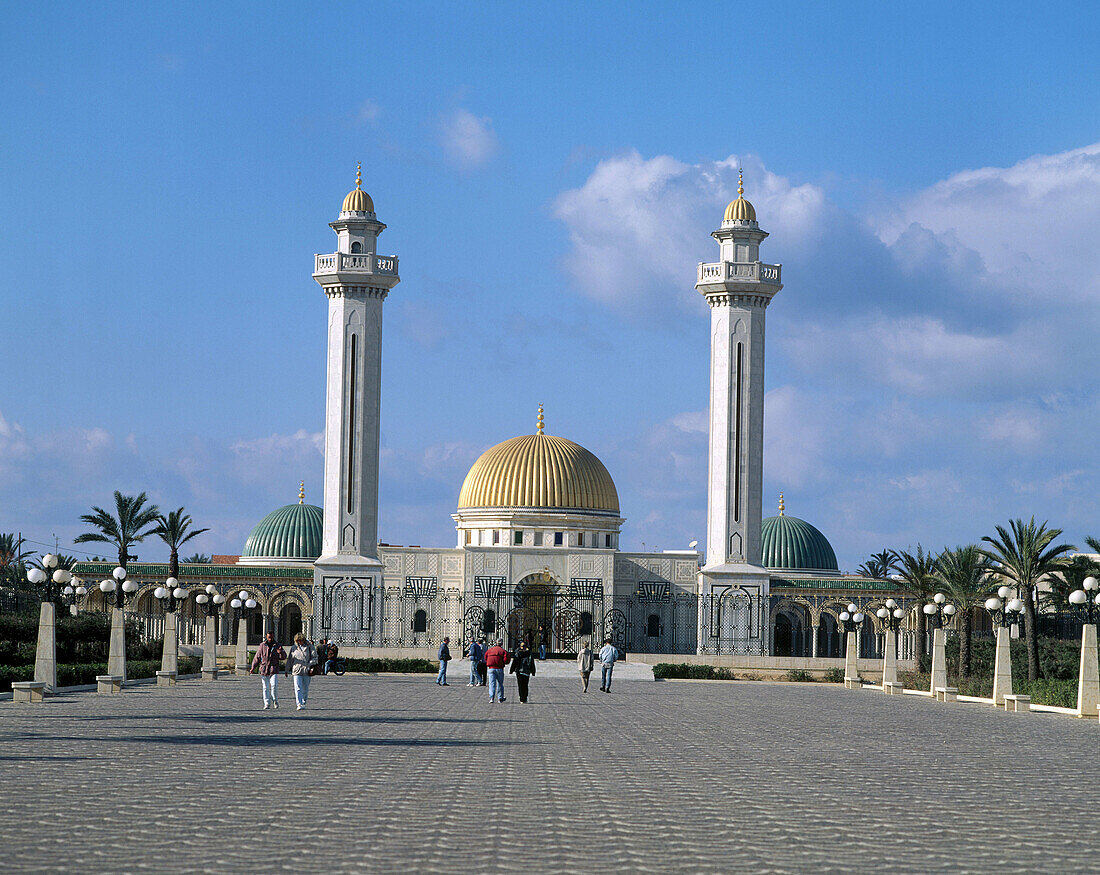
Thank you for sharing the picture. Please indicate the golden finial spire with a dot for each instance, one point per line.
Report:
(782, 507)
(302, 492)
(539, 423)
(740, 182)
(359, 174)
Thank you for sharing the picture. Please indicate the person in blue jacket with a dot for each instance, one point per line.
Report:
(477, 654)
(444, 658)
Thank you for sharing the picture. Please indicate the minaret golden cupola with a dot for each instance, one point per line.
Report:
(358, 201)
(739, 210)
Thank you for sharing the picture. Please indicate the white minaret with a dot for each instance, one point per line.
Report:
(356, 280)
(738, 288)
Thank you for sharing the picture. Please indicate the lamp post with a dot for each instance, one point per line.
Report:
(73, 592)
(891, 615)
(242, 604)
(1005, 612)
(45, 655)
(851, 619)
(210, 600)
(170, 595)
(939, 611)
(123, 590)
(1084, 603)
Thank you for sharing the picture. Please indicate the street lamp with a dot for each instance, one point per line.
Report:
(124, 589)
(939, 611)
(49, 574)
(170, 593)
(1005, 612)
(74, 591)
(1085, 600)
(210, 600)
(242, 603)
(851, 619)
(891, 616)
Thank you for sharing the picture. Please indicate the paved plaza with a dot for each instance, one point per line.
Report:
(382, 773)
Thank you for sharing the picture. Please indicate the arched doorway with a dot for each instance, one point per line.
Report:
(828, 636)
(789, 634)
(290, 622)
(533, 610)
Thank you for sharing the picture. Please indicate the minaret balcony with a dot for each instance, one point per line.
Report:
(364, 263)
(756, 271)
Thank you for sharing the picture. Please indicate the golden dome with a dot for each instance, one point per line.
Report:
(739, 210)
(539, 471)
(358, 201)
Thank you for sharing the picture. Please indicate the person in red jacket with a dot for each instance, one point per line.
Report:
(495, 659)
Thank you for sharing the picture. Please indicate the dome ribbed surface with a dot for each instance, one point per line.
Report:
(740, 210)
(358, 201)
(291, 532)
(790, 543)
(539, 471)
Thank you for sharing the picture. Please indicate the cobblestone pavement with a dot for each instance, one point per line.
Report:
(387, 772)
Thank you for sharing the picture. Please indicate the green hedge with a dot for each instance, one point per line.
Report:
(683, 670)
(1059, 692)
(77, 674)
(404, 666)
(81, 639)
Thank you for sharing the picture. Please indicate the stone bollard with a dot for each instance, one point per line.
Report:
(242, 646)
(28, 691)
(166, 678)
(889, 660)
(210, 650)
(116, 656)
(851, 672)
(170, 656)
(1002, 668)
(45, 657)
(939, 660)
(1088, 679)
(109, 683)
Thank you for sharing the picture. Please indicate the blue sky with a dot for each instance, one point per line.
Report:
(930, 177)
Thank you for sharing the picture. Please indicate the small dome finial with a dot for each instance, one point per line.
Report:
(740, 182)
(302, 492)
(539, 424)
(782, 507)
(359, 174)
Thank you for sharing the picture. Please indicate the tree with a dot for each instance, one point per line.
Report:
(175, 530)
(918, 571)
(965, 573)
(1023, 556)
(1070, 576)
(197, 559)
(880, 565)
(125, 528)
(12, 558)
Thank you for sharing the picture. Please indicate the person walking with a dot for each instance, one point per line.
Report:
(542, 642)
(267, 661)
(476, 654)
(444, 657)
(523, 667)
(496, 657)
(608, 654)
(585, 661)
(303, 656)
(482, 671)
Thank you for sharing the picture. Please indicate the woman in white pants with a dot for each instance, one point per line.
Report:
(303, 656)
(267, 661)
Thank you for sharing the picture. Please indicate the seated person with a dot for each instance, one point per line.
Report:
(330, 656)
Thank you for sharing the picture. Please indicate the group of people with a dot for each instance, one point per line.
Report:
(487, 665)
(302, 662)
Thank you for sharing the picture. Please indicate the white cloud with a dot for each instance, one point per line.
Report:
(369, 111)
(468, 141)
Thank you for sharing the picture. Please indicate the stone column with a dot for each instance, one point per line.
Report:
(210, 649)
(816, 631)
(1088, 683)
(45, 658)
(851, 672)
(170, 657)
(890, 658)
(116, 655)
(939, 660)
(1002, 666)
(242, 645)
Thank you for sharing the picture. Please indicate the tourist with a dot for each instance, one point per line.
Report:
(303, 656)
(267, 661)
(329, 656)
(608, 654)
(482, 671)
(496, 657)
(476, 653)
(444, 656)
(542, 642)
(585, 660)
(523, 667)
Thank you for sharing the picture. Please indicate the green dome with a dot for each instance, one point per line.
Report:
(291, 532)
(793, 544)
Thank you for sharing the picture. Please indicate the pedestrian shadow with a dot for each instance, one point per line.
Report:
(227, 740)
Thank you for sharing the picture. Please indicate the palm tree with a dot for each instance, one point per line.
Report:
(197, 559)
(1024, 556)
(12, 557)
(1071, 575)
(965, 574)
(880, 565)
(124, 529)
(173, 530)
(918, 571)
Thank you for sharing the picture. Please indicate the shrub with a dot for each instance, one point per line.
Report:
(390, 665)
(799, 676)
(834, 676)
(71, 674)
(752, 677)
(683, 670)
(10, 673)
